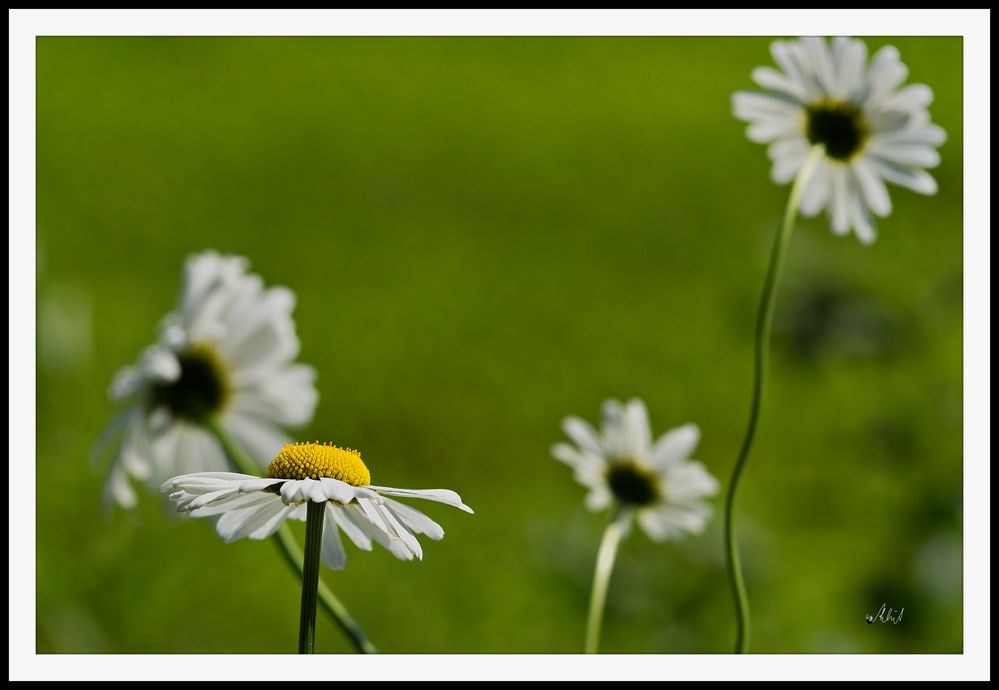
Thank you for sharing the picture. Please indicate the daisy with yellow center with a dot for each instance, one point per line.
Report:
(333, 477)
(330, 489)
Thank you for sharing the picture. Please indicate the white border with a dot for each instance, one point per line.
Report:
(973, 25)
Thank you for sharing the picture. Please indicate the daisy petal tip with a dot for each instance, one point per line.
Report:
(867, 239)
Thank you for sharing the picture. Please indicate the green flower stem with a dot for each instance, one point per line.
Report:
(601, 578)
(310, 576)
(285, 541)
(764, 322)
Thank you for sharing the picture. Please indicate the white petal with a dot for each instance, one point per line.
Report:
(786, 55)
(816, 194)
(440, 495)
(598, 498)
(638, 436)
(332, 552)
(212, 282)
(226, 504)
(689, 481)
(317, 490)
(370, 509)
(582, 433)
(193, 502)
(801, 57)
(928, 135)
(749, 105)
(675, 445)
(822, 63)
(872, 187)
(793, 147)
(134, 453)
(577, 459)
(672, 521)
(411, 542)
(158, 420)
(886, 73)
(259, 483)
(786, 168)
(126, 383)
(204, 482)
(271, 525)
(287, 396)
(889, 122)
(261, 439)
(203, 273)
(272, 343)
(239, 523)
(299, 490)
(172, 332)
(361, 519)
(770, 78)
(184, 459)
(916, 180)
(159, 364)
(912, 97)
(292, 491)
(908, 155)
(254, 310)
(118, 489)
(853, 57)
(206, 453)
(859, 218)
(765, 131)
(341, 492)
(613, 435)
(838, 202)
(657, 526)
(414, 519)
(342, 515)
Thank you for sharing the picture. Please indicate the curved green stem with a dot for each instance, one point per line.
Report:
(764, 322)
(310, 576)
(285, 541)
(601, 579)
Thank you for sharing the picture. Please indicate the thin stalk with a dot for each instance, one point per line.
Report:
(293, 556)
(310, 576)
(601, 579)
(764, 323)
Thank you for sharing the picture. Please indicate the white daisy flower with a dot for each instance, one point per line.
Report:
(255, 507)
(872, 130)
(654, 481)
(224, 354)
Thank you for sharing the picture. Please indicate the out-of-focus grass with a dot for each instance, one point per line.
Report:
(487, 234)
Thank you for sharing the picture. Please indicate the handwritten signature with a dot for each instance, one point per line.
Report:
(886, 615)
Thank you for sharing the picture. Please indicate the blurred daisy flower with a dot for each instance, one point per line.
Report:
(255, 507)
(224, 356)
(653, 481)
(872, 130)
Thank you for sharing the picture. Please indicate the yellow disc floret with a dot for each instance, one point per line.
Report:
(315, 460)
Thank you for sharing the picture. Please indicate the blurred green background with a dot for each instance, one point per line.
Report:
(486, 235)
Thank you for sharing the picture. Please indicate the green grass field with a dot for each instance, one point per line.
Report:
(486, 235)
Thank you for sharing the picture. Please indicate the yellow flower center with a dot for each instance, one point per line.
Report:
(315, 460)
